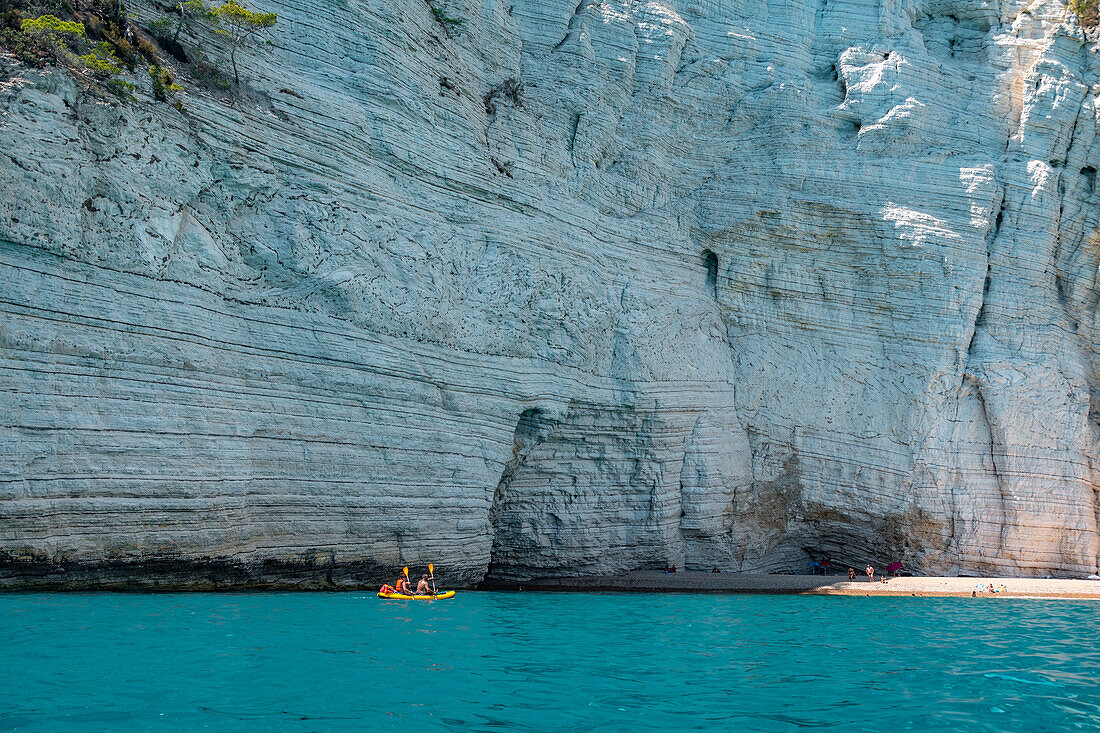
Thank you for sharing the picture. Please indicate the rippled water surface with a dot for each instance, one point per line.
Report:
(545, 662)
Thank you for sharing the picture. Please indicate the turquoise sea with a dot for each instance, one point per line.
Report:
(544, 661)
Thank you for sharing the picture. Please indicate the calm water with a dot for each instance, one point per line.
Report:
(545, 662)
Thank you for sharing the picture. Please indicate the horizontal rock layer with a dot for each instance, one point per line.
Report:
(572, 288)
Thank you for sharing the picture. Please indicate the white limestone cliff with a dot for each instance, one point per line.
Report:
(585, 286)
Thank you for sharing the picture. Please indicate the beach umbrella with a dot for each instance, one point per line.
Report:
(893, 567)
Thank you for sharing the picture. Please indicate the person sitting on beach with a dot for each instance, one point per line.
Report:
(851, 574)
(422, 587)
(992, 589)
(870, 573)
(716, 570)
(672, 569)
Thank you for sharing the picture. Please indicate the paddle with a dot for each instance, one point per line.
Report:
(431, 572)
(405, 570)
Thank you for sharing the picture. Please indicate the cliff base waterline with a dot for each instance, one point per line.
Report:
(653, 581)
(586, 287)
(177, 574)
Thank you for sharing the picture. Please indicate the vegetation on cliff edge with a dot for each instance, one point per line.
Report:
(96, 40)
(1086, 11)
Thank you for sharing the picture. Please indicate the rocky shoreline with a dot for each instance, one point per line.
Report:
(318, 573)
(323, 574)
(652, 581)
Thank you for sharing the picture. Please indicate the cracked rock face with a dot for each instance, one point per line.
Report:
(585, 286)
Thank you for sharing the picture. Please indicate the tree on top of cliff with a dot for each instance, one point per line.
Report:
(191, 11)
(241, 26)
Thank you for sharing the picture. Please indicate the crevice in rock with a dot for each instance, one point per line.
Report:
(573, 137)
(506, 168)
(998, 476)
(569, 27)
(710, 261)
(979, 319)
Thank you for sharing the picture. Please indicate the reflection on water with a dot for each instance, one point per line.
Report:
(545, 662)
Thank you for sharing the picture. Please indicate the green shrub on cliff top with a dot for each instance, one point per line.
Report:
(102, 61)
(19, 45)
(164, 83)
(52, 26)
(52, 32)
(1086, 12)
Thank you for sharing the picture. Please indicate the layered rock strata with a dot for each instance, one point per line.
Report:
(581, 287)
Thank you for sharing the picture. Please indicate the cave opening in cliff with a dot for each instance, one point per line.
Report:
(710, 261)
(505, 513)
(1090, 178)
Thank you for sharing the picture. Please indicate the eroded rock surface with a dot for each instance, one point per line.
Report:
(587, 286)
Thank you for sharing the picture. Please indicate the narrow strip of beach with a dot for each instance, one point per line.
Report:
(655, 581)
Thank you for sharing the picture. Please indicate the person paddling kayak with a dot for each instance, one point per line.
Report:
(401, 586)
(424, 592)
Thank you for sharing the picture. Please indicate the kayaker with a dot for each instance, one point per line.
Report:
(402, 586)
(422, 588)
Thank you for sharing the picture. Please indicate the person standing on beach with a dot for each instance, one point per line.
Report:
(851, 574)
(870, 573)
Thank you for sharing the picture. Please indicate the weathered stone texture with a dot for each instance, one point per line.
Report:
(585, 286)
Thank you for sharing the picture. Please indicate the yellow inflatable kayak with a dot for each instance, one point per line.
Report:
(404, 597)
